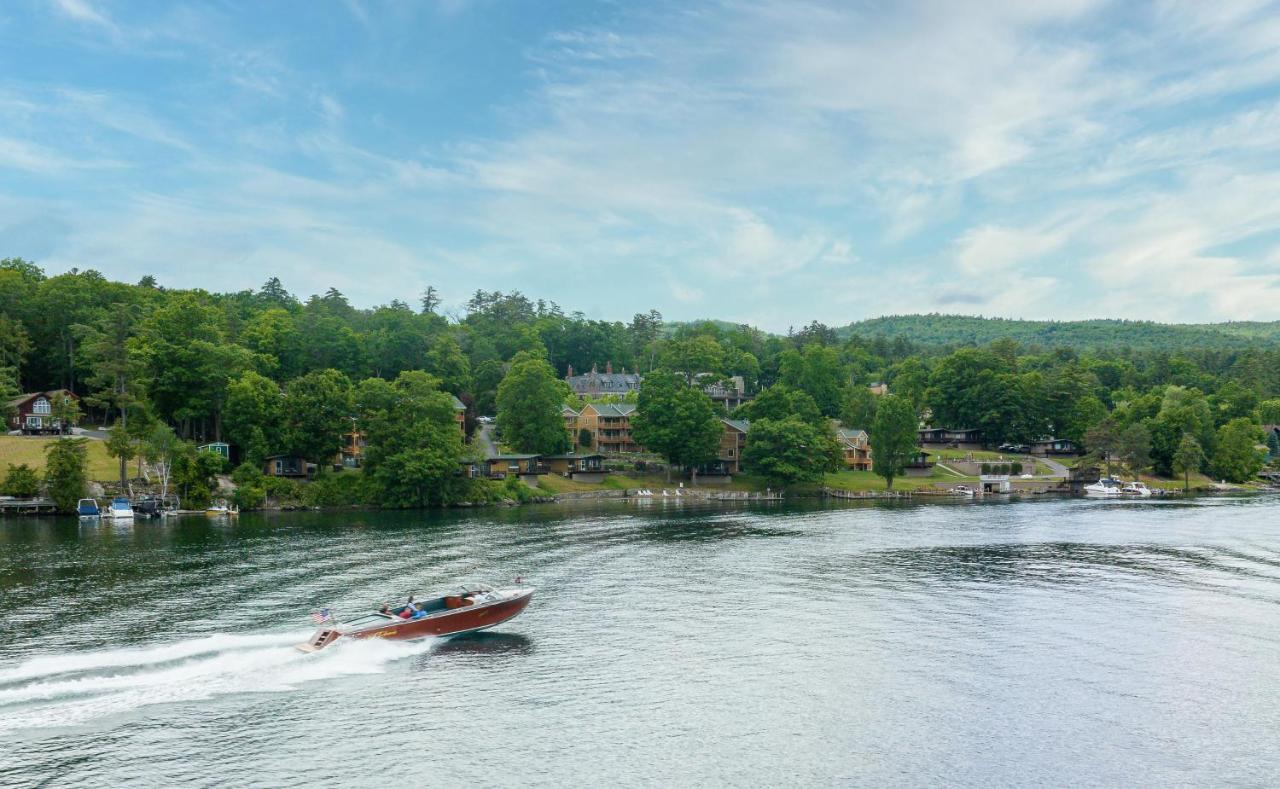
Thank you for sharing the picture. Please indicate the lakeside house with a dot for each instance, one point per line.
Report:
(221, 448)
(855, 448)
(582, 468)
(1055, 446)
(733, 440)
(726, 393)
(460, 415)
(610, 427)
(33, 412)
(597, 384)
(878, 388)
(951, 438)
(570, 417)
(291, 466)
(920, 465)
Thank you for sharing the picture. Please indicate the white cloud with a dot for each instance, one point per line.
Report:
(82, 11)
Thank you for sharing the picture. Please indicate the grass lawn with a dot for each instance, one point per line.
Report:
(861, 481)
(30, 450)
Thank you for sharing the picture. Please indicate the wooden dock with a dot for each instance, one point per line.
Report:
(15, 507)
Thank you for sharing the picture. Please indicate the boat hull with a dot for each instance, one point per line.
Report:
(468, 619)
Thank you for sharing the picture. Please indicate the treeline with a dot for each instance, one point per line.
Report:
(955, 330)
(275, 374)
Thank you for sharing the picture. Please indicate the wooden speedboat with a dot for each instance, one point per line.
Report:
(471, 608)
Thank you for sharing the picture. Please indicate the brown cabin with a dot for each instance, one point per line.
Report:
(33, 412)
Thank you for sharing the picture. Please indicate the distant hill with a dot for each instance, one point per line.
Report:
(964, 329)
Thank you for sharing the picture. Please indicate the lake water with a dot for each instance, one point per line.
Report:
(969, 644)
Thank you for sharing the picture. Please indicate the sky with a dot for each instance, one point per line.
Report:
(770, 162)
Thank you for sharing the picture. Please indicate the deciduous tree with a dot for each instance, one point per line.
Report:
(529, 401)
(893, 437)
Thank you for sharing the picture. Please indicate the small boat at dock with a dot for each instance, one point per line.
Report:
(1107, 487)
(88, 508)
(1135, 488)
(120, 509)
(471, 608)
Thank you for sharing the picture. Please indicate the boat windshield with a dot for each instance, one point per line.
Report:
(367, 620)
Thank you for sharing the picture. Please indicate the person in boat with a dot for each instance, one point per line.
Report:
(420, 612)
(385, 609)
(407, 613)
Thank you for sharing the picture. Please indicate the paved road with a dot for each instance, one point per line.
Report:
(484, 440)
(1056, 468)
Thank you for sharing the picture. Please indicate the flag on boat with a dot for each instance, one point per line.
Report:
(321, 615)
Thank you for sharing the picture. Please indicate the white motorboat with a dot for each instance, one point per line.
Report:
(962, 490)
(1107, 487)
(1136, 488)
(120, 509)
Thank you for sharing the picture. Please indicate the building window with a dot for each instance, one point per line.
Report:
(34, 422)
(41, 406)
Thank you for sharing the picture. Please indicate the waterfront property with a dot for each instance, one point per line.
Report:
(220, 448)
(733, 440)
(570, 417)
(597, 384)
(610, 427)
(727, 393)
(1055, 446)
(34, 412)
(921, 464)
(953, 438)
(855, 448)
(293, 466)
(582, 468)
(460, 415)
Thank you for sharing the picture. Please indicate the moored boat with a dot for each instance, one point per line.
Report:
(221, 509)
(119, 509)
(471, 608)
(88, 508)
(1136, 488)
(1104, 488)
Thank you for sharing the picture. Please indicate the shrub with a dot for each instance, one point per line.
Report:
(249, 497)
(986, 468)
(1017, 468)
(336, 490)
(21, 481)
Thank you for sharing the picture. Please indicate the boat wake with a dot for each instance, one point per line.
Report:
(77, 689)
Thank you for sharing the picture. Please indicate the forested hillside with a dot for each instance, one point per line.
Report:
(279, 375)
(1093, 334)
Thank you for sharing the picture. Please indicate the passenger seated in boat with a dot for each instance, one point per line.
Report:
(385, 609)
(421, 612)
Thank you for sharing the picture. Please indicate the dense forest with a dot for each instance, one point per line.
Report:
(942, 330)
(273, 373)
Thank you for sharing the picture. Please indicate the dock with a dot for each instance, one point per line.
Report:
(14, 507)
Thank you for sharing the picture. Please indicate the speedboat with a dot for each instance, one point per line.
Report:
(88, 508)
(220, 509)
(1104, 488)
(962, 490)
(120, 509)
(470, 608)
(1136, 488)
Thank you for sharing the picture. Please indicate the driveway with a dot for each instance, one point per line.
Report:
(484, 440)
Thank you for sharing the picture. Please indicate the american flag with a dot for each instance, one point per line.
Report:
(320, 616)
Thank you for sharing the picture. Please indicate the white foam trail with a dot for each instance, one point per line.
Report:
(103, 689)
(61, 665)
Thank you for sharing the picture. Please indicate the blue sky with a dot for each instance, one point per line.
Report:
(765, 162)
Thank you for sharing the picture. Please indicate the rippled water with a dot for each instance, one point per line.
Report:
(1048, 642)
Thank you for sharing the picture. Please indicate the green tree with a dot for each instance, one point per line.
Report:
(817, 371)
(66, 471)
(122, 446)
(254, 416)
(676, 421)
(21, 481)
(1187, 458)
(66, 413)
(1236, 457)
(529, 401)
(859, 409)
(317, 413)
(113, 370)
(1133, 445)
(413, 443)
(1269, 411)
(584, 439)
(788, 450)
(8, 393)
(161, 448)
(893, 437)
(779, 402)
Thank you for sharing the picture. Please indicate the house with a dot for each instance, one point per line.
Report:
(733, 439)
(351, 455)
(526, 467)
(570, 424)
(218, 448)
(920, 465)
(596, 384)
(610, 427)
(583, 468)
(955, 438)
(1055, 446)
(879, 388)
(288, 466)
(33, 412)
(855, 448)
(460, 415)
(728, 393)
